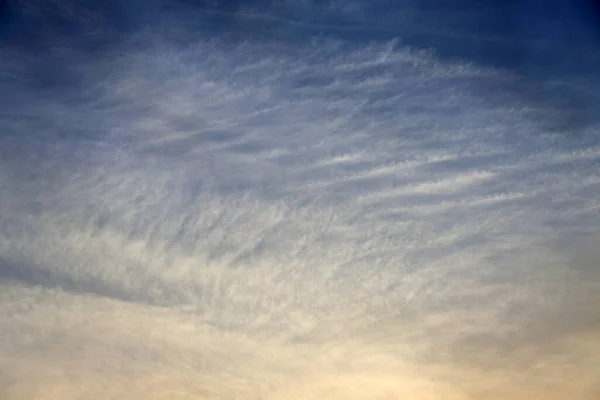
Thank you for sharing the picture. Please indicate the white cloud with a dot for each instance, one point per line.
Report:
(266, 220)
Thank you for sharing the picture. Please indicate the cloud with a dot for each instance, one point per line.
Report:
(266, 219)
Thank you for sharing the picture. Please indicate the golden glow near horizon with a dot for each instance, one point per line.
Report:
(275, 221)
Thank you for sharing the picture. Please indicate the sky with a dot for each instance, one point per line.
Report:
(299, 199)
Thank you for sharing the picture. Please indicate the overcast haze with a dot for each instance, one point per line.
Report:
(300, 199)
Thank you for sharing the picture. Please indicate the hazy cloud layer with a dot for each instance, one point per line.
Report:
(198, 203)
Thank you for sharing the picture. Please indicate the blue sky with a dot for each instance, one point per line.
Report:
(299, 200)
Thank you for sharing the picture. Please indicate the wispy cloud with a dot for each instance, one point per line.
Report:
(222, 219)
